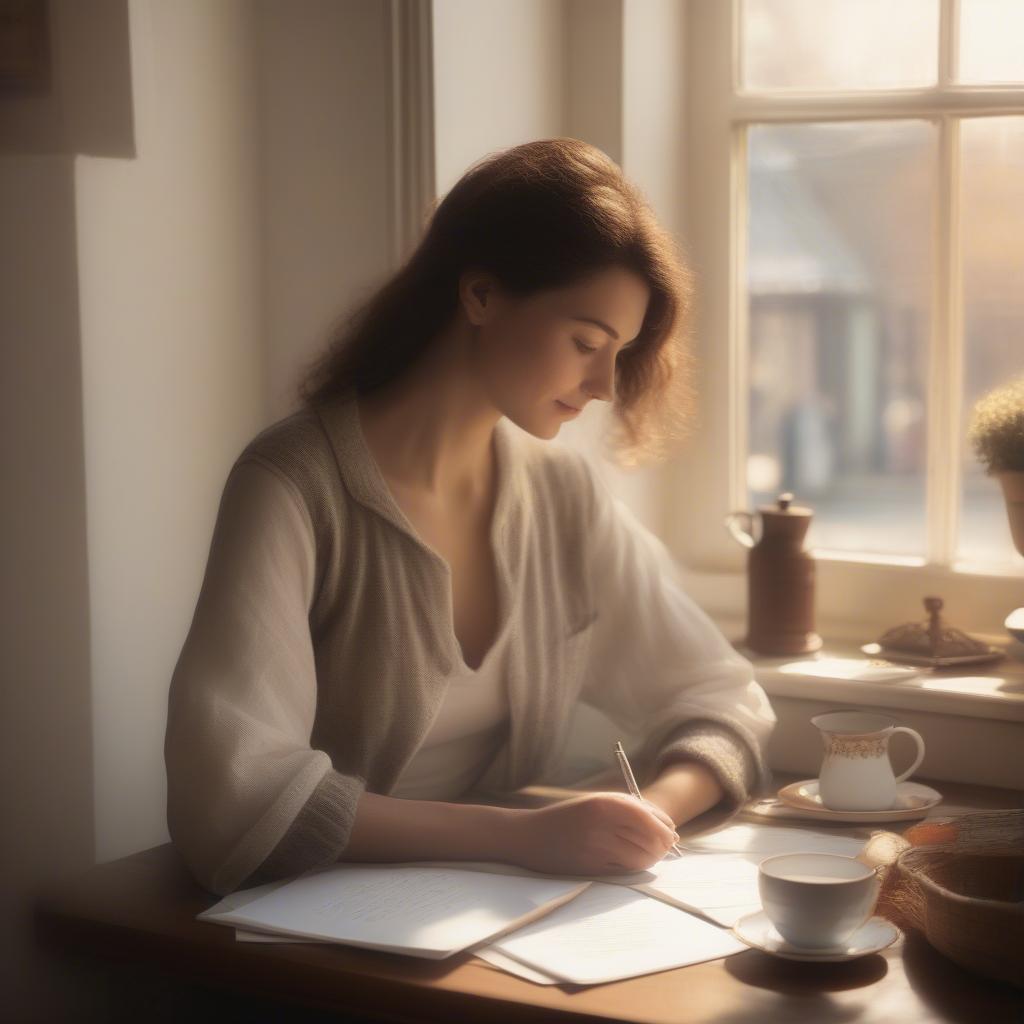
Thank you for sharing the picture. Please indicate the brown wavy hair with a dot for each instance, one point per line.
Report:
(543, 215)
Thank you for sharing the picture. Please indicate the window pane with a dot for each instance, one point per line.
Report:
(992, 193)
(839, 262)
(839, 44)
(991, 41)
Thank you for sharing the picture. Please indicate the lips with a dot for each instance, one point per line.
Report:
(567, 405)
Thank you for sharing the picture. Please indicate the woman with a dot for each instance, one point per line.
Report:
(408, 589)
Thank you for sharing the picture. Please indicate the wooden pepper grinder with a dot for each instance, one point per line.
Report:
(780, 578)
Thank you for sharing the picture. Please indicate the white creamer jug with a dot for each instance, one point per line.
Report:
(856, 774)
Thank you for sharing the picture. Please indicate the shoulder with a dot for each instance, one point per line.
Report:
(297, 438)
(295, 448)
(297, 451)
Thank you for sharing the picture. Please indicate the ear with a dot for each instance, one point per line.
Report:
(477, 293)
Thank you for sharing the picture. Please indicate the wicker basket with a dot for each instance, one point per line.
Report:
(959, 881)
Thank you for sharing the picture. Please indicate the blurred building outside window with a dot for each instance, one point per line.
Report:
(883, 264)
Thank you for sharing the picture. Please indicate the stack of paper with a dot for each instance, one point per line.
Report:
(611, 932)
(420, 910)
(545, 929)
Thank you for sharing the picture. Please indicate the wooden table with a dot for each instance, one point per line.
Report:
(135, 918)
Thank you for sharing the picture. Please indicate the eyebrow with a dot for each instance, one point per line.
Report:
(604, 327)
(600, 323)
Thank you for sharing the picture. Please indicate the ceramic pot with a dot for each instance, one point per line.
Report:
(780, 578)
(1012, 483)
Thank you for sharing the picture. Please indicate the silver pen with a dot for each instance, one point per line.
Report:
(634, 789)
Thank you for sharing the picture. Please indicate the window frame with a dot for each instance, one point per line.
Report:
(875, 591)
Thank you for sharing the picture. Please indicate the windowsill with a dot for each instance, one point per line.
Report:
(857, 600)
(992, 691)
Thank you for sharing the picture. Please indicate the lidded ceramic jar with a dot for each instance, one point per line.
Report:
(780, 578)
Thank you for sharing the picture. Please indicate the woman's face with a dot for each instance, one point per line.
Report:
(544, 357)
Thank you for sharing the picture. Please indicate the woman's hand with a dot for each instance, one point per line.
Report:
(592, 834)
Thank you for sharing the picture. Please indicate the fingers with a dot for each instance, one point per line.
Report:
(670, 824)
(644, 815)
(652, 847)
(662, 815)
(635, 851)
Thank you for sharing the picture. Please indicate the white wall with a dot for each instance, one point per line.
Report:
(206, 186)
(46, 793)
(172, 368)
(499, 78)
(208, 265)
(324, 158)
(131, 370)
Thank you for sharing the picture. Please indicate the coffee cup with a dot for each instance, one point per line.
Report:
(817, 900)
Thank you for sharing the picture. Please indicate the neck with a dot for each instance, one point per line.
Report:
(431, 431)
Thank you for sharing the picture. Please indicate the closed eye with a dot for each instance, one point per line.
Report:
(590, 348)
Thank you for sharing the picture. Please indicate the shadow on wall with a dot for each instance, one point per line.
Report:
(88, 106)
(45, 719)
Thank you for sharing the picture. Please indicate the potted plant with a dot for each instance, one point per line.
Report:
(997, 434)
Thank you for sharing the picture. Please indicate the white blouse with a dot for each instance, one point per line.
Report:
(464, 736)
(321, 652)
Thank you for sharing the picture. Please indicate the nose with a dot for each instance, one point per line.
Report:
(601, 382)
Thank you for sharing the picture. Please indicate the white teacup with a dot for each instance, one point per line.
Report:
(817, 900)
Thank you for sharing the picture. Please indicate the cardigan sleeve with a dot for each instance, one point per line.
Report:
(245, 791)
(660, 668)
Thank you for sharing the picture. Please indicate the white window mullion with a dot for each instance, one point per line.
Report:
(949, 28)
(946, 389)
(871, 106)
(739, 342)
(945, 357)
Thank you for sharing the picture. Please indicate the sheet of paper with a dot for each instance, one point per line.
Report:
(720, 886)
(235, 900)
(610, 932)
(247, 935)
(491, 956)
(717, 878)
(501, 868)
(497, 959)
(421, 911)
(507, 964)
(756, 841)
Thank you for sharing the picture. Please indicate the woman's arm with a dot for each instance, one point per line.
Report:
(243, 698)
(683, 790)
(391, 829)
(664, 673)
(591, 834)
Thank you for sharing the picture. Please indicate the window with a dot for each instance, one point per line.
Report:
(856, 187)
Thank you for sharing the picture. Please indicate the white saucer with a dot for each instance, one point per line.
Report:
(913, 800)
(759, 933)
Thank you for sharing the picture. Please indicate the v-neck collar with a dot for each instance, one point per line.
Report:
(365, 481)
